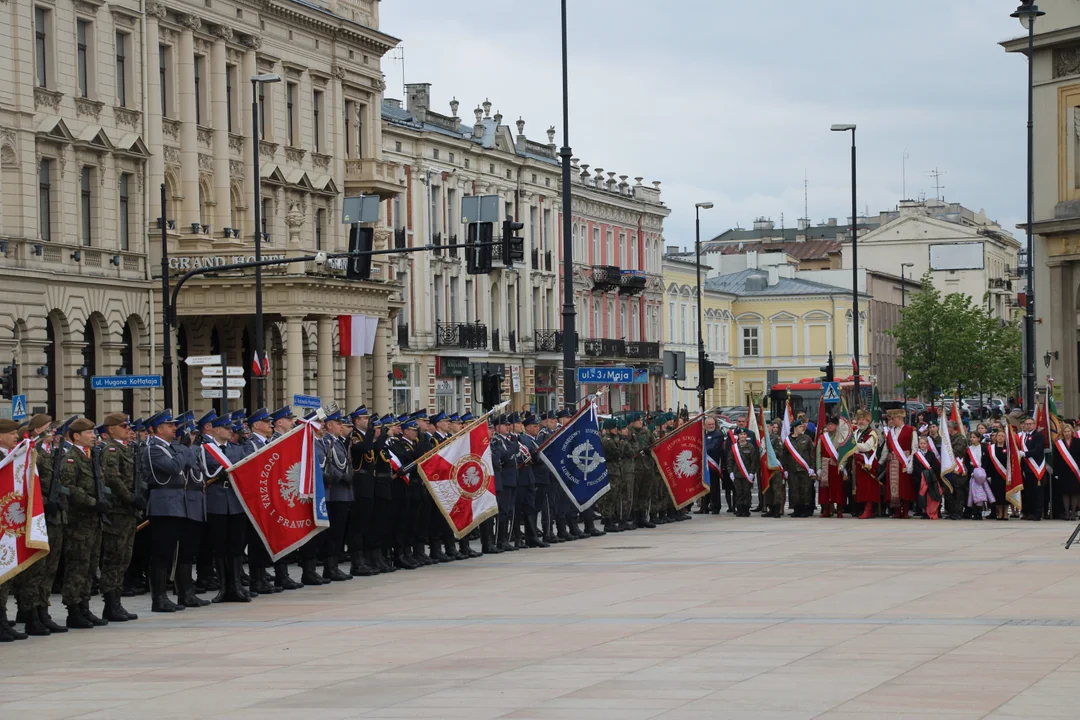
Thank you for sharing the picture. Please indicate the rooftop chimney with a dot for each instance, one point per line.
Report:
(418, 98)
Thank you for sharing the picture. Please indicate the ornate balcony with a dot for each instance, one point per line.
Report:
(468, 336)
(638, 350)
(606, 277)
(605, 348)
(631, 282)
(550, 341)
(372, 177)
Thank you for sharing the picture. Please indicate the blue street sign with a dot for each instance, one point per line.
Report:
(605, 375)
(18, 407)
(830, 391)
(124, 382)
(307, 401)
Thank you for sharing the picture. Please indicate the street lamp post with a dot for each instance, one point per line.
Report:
(1026, 14)
(903, 304)
(568, 312)
(166, 310)
(256, 136)
(854, 260)
(701, 315)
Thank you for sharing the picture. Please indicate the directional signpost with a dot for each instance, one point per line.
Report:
(124, 382)
(232, 370)
(830, 392)
(216, 394)
(216, 382)
(203, 360)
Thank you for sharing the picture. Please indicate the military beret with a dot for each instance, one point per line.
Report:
(38, 421)
(796, 423)
(623, 424)
(81, 425)
(611, 424)
(7, 426)
(114, 419)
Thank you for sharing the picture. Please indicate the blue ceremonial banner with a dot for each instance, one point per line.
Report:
(576, 457)
(322, 516)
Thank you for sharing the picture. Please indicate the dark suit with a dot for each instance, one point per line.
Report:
(1031, 502)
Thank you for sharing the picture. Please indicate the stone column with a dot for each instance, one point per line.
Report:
(294, 356)
(156, 165)
(380, 386)
(219, 106)
(1063, 334)
(251, 143)
(354, 387)
(189, 132)
(325, 334)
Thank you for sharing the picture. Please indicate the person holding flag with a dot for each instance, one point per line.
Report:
(800, 472)
(743, 462)
(831, 494)
(1067, 469)
(776, 492)
(1032, 445)
(865, 464)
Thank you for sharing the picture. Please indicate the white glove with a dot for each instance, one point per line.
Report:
(753, 477)
(785, 475)
(813, 473)
(732, 475)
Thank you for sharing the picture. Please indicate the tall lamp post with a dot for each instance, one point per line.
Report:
(845, 127)
(256, 135)
(1026, 14)
(700, 312)
(903, 304)
(568, 312)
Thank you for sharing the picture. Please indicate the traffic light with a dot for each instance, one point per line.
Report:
(8, 383)
(513, 247)
(361, 239)
(478, 259)
(490, 390)
(829, 369)
(708, 374)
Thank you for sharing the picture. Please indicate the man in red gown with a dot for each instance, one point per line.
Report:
(867, 487)
(901, 443)
(831, 495)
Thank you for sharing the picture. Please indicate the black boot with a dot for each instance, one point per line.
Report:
(385, 561)
(185, 591)
(359, 568)
(76, 620)
(160, 602)
(34, 626)
(84, 606)
(208, 580)
(590, 526)
(451, 550)
(282, 579)
(573, 529)
(222, 570)
(310, 575)
(403, 561)
(419, 556)
(437, 553)
(114, 611)
(372, 558)
(487, 545)
(562, 532)
(258, 583)
(465, 549)
(47, 621)
(331, 570)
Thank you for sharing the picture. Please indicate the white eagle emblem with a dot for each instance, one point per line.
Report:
(585, 458)
(471, 477)
(14, 515)
(289, 486)
(686, 465)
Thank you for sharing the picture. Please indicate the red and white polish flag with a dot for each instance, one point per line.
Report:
(260, 369)
(461, 480)
(356, 334)
(24, 537)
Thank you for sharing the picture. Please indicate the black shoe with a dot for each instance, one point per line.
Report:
(84, 606)
(552, 539)
(403, 561)
(114, 611)
(332, 572)
(185, 590)
(310, 576)
(47, 621)
(465, 549)
(419, 556)
(282, 579)
(76, 620)
(34, 626)
(383, 556)
(359, 568)
(438, 555)
(506, 546)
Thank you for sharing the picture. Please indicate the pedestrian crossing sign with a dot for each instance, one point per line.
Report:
(18, 407)
(830, 392)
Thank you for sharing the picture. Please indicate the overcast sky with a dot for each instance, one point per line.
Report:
(731, 101)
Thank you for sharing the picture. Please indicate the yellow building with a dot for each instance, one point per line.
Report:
(762, 325)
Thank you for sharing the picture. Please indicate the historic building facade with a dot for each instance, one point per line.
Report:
(455, 326)
(109, 104)
(618, 281)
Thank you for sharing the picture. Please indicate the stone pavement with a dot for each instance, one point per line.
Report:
(714, 618)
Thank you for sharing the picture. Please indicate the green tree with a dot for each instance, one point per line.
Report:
(917, 340)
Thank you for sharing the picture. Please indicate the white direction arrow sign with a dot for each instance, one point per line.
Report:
(213, 394)
(215, 382)
(215, 371)
(203, 360)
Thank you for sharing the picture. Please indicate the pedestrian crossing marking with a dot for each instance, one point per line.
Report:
(18, 407)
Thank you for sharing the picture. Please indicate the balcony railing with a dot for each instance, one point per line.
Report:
(606, 277)
(403, 335)
(399, 238)
(605, 347)
(470, 336)
(639, 350)
(495, 345)
(548, 340)
(631, 282)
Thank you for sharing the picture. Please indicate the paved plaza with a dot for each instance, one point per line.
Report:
(714, 618)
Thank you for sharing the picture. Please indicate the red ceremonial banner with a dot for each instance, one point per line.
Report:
(680, 457)
(461, 480)
(1014, 484)
(24, 538)
(269, 484)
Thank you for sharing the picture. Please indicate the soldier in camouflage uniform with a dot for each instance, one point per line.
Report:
(609, 503)
(800, 480)
(644, 471)
(626, 514)
(750, 458)
(118, 535)
(777, 494)
(82, 541)
(956, 501)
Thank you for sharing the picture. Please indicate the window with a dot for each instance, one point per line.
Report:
(451, 157)
(397, 146)
(509, 174)
(596, 245)
(608, 242)
(82, 28)
(491, 168)
(199, 62)
(290, 112)
(320, 218)
(230, 83)
(163, 78)
(750, 342)
(86, 182)
(466, 163)
(682, 323)
(45, 200)
(125, 233)
(316, 114)
(435, 153)
(267, 208)
(625, 256)
(348, 128)
(121, 69)
(40, 45)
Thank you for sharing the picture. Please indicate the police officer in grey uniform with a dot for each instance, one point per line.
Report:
(167, 505)
(259, 423)
(226, 522)
(337, 477)
(195, 511)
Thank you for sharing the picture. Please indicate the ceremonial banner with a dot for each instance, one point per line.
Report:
(460, 478)
(1014, 483)
(322, 514)
(575, 456)
(948, 460)
(24, 538)
(769, 462)
(844, 437)
(680, 457)
(356, 334)
(268, 484)
(1047, 421)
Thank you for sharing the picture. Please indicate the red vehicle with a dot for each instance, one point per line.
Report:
(806, 394)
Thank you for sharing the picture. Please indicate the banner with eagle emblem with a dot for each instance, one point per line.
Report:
(681, 459)
(575, 456)
(461, 480)
(271, 485)
(24, 538)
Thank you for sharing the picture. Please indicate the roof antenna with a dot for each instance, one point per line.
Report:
(806, 196)
(938, 187)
